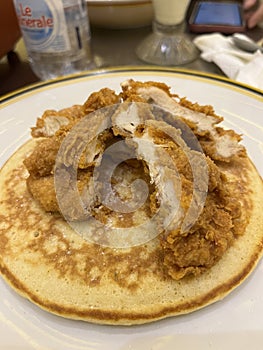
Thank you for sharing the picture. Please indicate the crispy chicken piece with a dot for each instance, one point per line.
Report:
(200, 249)
(51, 121)
(55, 125)
(52, 128)
(43, 190)
(42, 160)
(130, 89)
(219, 144)
(103, 98)
(192, 252)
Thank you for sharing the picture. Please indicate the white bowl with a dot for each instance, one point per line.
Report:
(120, 14)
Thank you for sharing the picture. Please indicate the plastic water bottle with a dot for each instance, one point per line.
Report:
(56, 35)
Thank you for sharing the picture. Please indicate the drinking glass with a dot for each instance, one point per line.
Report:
(168, 45)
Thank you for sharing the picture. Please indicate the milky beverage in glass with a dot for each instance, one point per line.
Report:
(170, 12)
(168, 44)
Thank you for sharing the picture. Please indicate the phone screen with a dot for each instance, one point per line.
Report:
(215, 13)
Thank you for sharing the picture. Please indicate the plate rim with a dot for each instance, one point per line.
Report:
(4, 99)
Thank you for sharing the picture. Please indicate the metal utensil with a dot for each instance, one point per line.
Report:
(243, 42)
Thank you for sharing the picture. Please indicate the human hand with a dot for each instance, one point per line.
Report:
(253, 17)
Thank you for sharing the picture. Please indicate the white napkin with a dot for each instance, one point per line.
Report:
(236, 64)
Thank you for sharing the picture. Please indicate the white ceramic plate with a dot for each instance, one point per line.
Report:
(233, 323)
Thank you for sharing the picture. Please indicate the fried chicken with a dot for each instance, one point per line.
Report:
(208, 239)
(42, 160)
(185, 251)
(219, 144)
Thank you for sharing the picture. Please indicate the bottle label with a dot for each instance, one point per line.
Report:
(43, 25)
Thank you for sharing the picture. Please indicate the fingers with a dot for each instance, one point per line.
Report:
(256, 17)
(247, 4)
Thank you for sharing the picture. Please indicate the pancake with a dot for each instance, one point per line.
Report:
(44, 259)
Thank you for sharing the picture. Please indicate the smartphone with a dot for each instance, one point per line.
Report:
(217, 16)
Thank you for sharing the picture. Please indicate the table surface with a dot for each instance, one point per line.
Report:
(16, 73)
